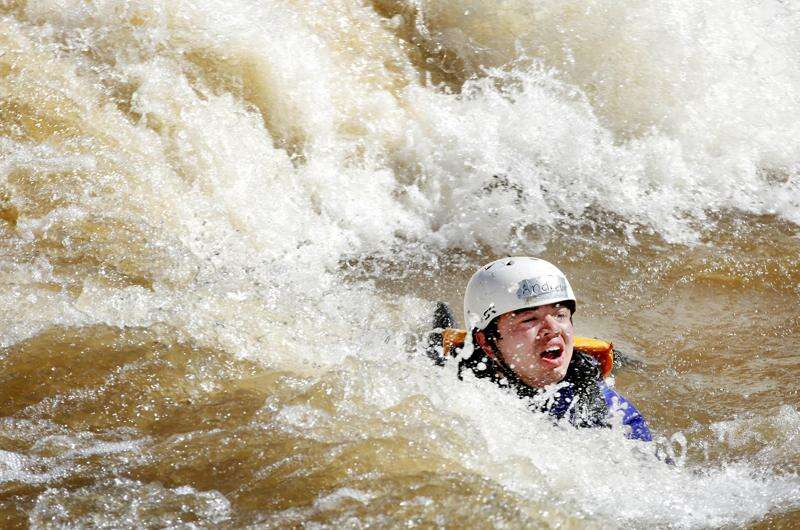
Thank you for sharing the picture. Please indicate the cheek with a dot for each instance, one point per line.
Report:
(515, 350)
(516, 347)
(525, 339)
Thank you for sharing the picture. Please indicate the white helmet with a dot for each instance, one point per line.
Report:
(513, 283)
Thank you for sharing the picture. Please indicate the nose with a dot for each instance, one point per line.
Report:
(550, 327)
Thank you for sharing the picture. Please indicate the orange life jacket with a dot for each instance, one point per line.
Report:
(599, 349)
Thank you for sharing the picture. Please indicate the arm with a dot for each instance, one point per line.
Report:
(618, 405)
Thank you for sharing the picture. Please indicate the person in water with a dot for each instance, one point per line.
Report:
(519, 312)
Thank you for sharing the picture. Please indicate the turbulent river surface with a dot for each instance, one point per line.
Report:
(224, 226)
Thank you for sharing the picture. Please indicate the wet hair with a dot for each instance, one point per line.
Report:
(491, 332)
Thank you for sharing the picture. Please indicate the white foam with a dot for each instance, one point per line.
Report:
(342, 495)
(265, 142)
(125, 503)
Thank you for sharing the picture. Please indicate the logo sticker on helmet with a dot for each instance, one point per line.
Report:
(542, 286)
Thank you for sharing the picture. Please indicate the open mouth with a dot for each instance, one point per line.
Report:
(551, 353)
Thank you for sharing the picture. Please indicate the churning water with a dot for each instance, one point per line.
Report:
(223, 226)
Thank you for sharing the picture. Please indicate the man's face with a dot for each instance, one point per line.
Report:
(537, 343)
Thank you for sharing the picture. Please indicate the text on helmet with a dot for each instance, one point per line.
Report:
(541, 286)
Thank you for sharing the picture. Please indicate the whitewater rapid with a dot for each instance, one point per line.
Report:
(285, 187)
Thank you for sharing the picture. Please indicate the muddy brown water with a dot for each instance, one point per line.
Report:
(224, 226)
(102, 412)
